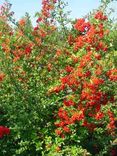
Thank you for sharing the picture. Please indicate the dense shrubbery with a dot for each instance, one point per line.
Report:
(58, 84)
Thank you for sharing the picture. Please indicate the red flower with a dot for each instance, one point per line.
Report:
(98, 56)
(39, 20)
(77, 116)
(1, 131)
(58, 132)
(68, 103)
(101, 46)
(112, 74)
(2, 75)
(99, 115)
(97, 81)
(100, 16)
(70, 40)
(63, 114)
(111, 125)
(87, 74)
(36, 28)
(28, 50)
(81, 25)
(79, 43)
(69, 69)
(66, 129)
(65, 79)
(4, 131)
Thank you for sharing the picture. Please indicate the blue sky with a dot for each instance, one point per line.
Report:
(79, 8)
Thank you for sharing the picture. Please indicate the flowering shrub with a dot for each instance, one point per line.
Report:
(87, 78)
(57, 84)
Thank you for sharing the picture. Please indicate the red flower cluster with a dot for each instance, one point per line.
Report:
(47, 6)
(39, 20)
(63, 124)
(4, 131)
(69, 103)
(111, 125)
(93, 36)
(85, 79)
(77, 116)
(69, 69)
(99, 115)
(2, 75)
(28, 50)
(112, 74)
(100, 16)
(81, 25)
